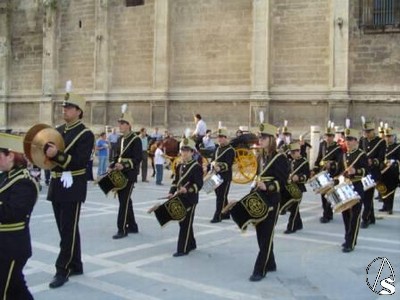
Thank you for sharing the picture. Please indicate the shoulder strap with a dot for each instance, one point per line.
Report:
(75, 139)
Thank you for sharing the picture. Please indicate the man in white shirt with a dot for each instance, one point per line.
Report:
(200, 131)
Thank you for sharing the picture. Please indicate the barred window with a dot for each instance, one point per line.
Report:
(134, 2)
(379, 16)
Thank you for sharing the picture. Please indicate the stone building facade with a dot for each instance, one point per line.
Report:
(305, 61)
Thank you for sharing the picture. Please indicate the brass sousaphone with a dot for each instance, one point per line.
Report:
(35, 142)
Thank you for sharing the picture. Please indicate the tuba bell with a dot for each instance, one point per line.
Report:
(35, 142)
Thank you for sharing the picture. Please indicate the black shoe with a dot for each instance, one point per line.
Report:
(271, 269)
(364, 224)
(256, 277)
(75, 272)
(132, 229)
(288, 231)
(58, 280)
(344, 245)
(390, 212)
(191, 248)
(372, 222)
(215, 221)
(119, 235)
(383, 209)
(347, 249)
(324, 220)
(178, 254)
(225, 216)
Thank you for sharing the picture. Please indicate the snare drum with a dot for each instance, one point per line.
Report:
(113, 181)
(211, 182)
(250, 209)
(342, 197)
(321, 183)
(368, 182)
(171, 210)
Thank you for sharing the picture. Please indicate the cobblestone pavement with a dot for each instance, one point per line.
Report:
(310, 262)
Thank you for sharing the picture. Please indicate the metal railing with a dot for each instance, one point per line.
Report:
(378, 14)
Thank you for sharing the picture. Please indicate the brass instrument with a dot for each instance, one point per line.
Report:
(35, 142)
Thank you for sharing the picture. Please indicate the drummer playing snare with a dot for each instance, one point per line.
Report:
(329, 158)
(355, 166)
(222, 164)
(187, 183)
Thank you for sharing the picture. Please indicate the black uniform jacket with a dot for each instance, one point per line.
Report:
(18, 194)
(301, 168)
(358, 160)
(333, 154)
(390, 174)
(273, 170)
(224, 157)
(190, 176)
(375, 149)
(129, 154)
(79, 142)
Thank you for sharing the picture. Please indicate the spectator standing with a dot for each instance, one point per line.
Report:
(112, 140)
(102, 153)
(145, 146)
(156, 135)
(159, 161)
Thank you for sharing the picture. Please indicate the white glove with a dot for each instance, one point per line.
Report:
(66, 179)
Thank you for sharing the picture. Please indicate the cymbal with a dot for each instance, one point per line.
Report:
(35, 141)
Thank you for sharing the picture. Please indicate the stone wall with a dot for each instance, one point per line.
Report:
(300, 44)
(210, 43)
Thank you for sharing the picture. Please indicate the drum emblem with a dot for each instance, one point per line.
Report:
(176, 209)
(118, 180)
(255, 206)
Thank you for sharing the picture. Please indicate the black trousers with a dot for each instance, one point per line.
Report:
(294, 221)
(126, 216)
(144, 165)
(351, 220)
(67, 219)
(222, 198)
(186, 240)
(368, 214)
(388, 202)
(12, 280)
(326, 208)
(265, 234)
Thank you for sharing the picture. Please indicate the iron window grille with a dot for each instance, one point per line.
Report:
(380, 16)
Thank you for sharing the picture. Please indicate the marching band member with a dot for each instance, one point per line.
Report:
(355, 165)
(187, 183)
(222, 164)
(68, 185)
(375, 148)
(390, 174)
(329, 158)
(129, 156)
(18, 195)
(300, 172)
(272, 174)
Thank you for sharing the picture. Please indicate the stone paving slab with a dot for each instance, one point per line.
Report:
(310, 262)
